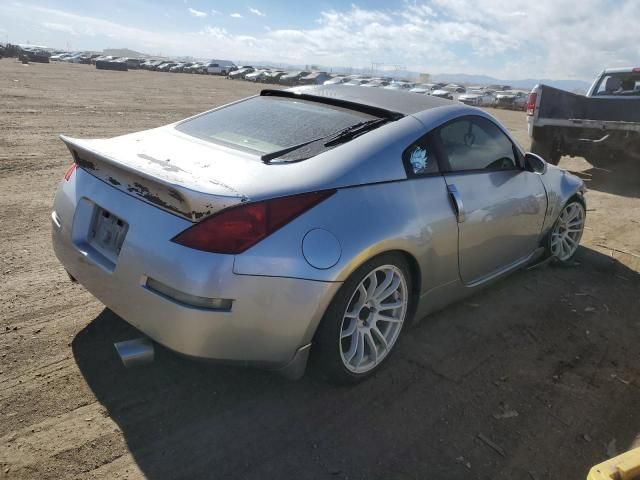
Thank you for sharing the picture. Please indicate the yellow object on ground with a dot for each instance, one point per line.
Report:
(622, 467)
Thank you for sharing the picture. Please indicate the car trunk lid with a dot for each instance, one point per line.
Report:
(163, 168)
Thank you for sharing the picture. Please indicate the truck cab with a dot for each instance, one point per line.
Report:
(616, 83)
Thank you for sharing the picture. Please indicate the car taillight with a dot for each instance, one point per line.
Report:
(238, 228)
(531, 103)
(70, 171)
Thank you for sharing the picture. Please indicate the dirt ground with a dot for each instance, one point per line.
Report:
(536, 377)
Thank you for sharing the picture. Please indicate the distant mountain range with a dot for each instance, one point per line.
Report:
(123, 52)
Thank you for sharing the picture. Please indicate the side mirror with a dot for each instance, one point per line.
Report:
(535, 163)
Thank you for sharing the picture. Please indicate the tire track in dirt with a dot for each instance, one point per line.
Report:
(42, 441)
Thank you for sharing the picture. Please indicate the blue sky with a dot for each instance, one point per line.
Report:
(509, 39)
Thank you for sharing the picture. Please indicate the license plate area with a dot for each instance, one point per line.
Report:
(107, 233)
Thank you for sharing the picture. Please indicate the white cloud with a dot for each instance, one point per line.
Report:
(215, 12)
(257, 12)
(504, 38)
(557, 38)
(215, 32)
(197, 13)
(59, 27)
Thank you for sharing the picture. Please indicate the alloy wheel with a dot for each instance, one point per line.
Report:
(567, 232)
(373, 319)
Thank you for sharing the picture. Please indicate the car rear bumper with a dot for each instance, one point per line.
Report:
(270, 319)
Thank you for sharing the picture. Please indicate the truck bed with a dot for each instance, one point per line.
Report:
(597, 128)
(562, 105)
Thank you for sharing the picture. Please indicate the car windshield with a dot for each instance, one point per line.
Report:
(619, 84)
(268, 124)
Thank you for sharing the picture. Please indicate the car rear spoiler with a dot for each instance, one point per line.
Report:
(336, 102)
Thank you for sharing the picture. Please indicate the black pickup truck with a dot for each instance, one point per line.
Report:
(602, 125)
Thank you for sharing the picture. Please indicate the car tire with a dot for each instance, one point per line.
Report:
(344, 358)
(546, 150)
(563, 240)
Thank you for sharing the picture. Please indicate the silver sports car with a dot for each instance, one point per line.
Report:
(317, 220)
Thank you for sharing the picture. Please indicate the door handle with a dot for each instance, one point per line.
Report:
(456, 198)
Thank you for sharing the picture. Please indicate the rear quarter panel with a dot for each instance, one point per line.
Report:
(561, 186)
(413, 216)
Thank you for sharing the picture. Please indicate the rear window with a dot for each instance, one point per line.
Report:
(619, 84)
(269, 124)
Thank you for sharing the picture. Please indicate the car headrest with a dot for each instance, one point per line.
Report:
(612, 84)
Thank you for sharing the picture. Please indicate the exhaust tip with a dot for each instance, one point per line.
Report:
(136, 352)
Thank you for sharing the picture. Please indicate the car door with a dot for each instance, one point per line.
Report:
(500, 206)
(431, 215)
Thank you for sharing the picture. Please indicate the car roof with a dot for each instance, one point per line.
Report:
(393, 100)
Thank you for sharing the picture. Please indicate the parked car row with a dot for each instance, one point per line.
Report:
(75, 57)
(213, 67)
(502, 96)
(282, 77)
(37, 55)
(25, 54)
(492, 95)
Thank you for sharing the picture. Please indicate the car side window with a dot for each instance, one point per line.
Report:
(475, 143)
(419, 159)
